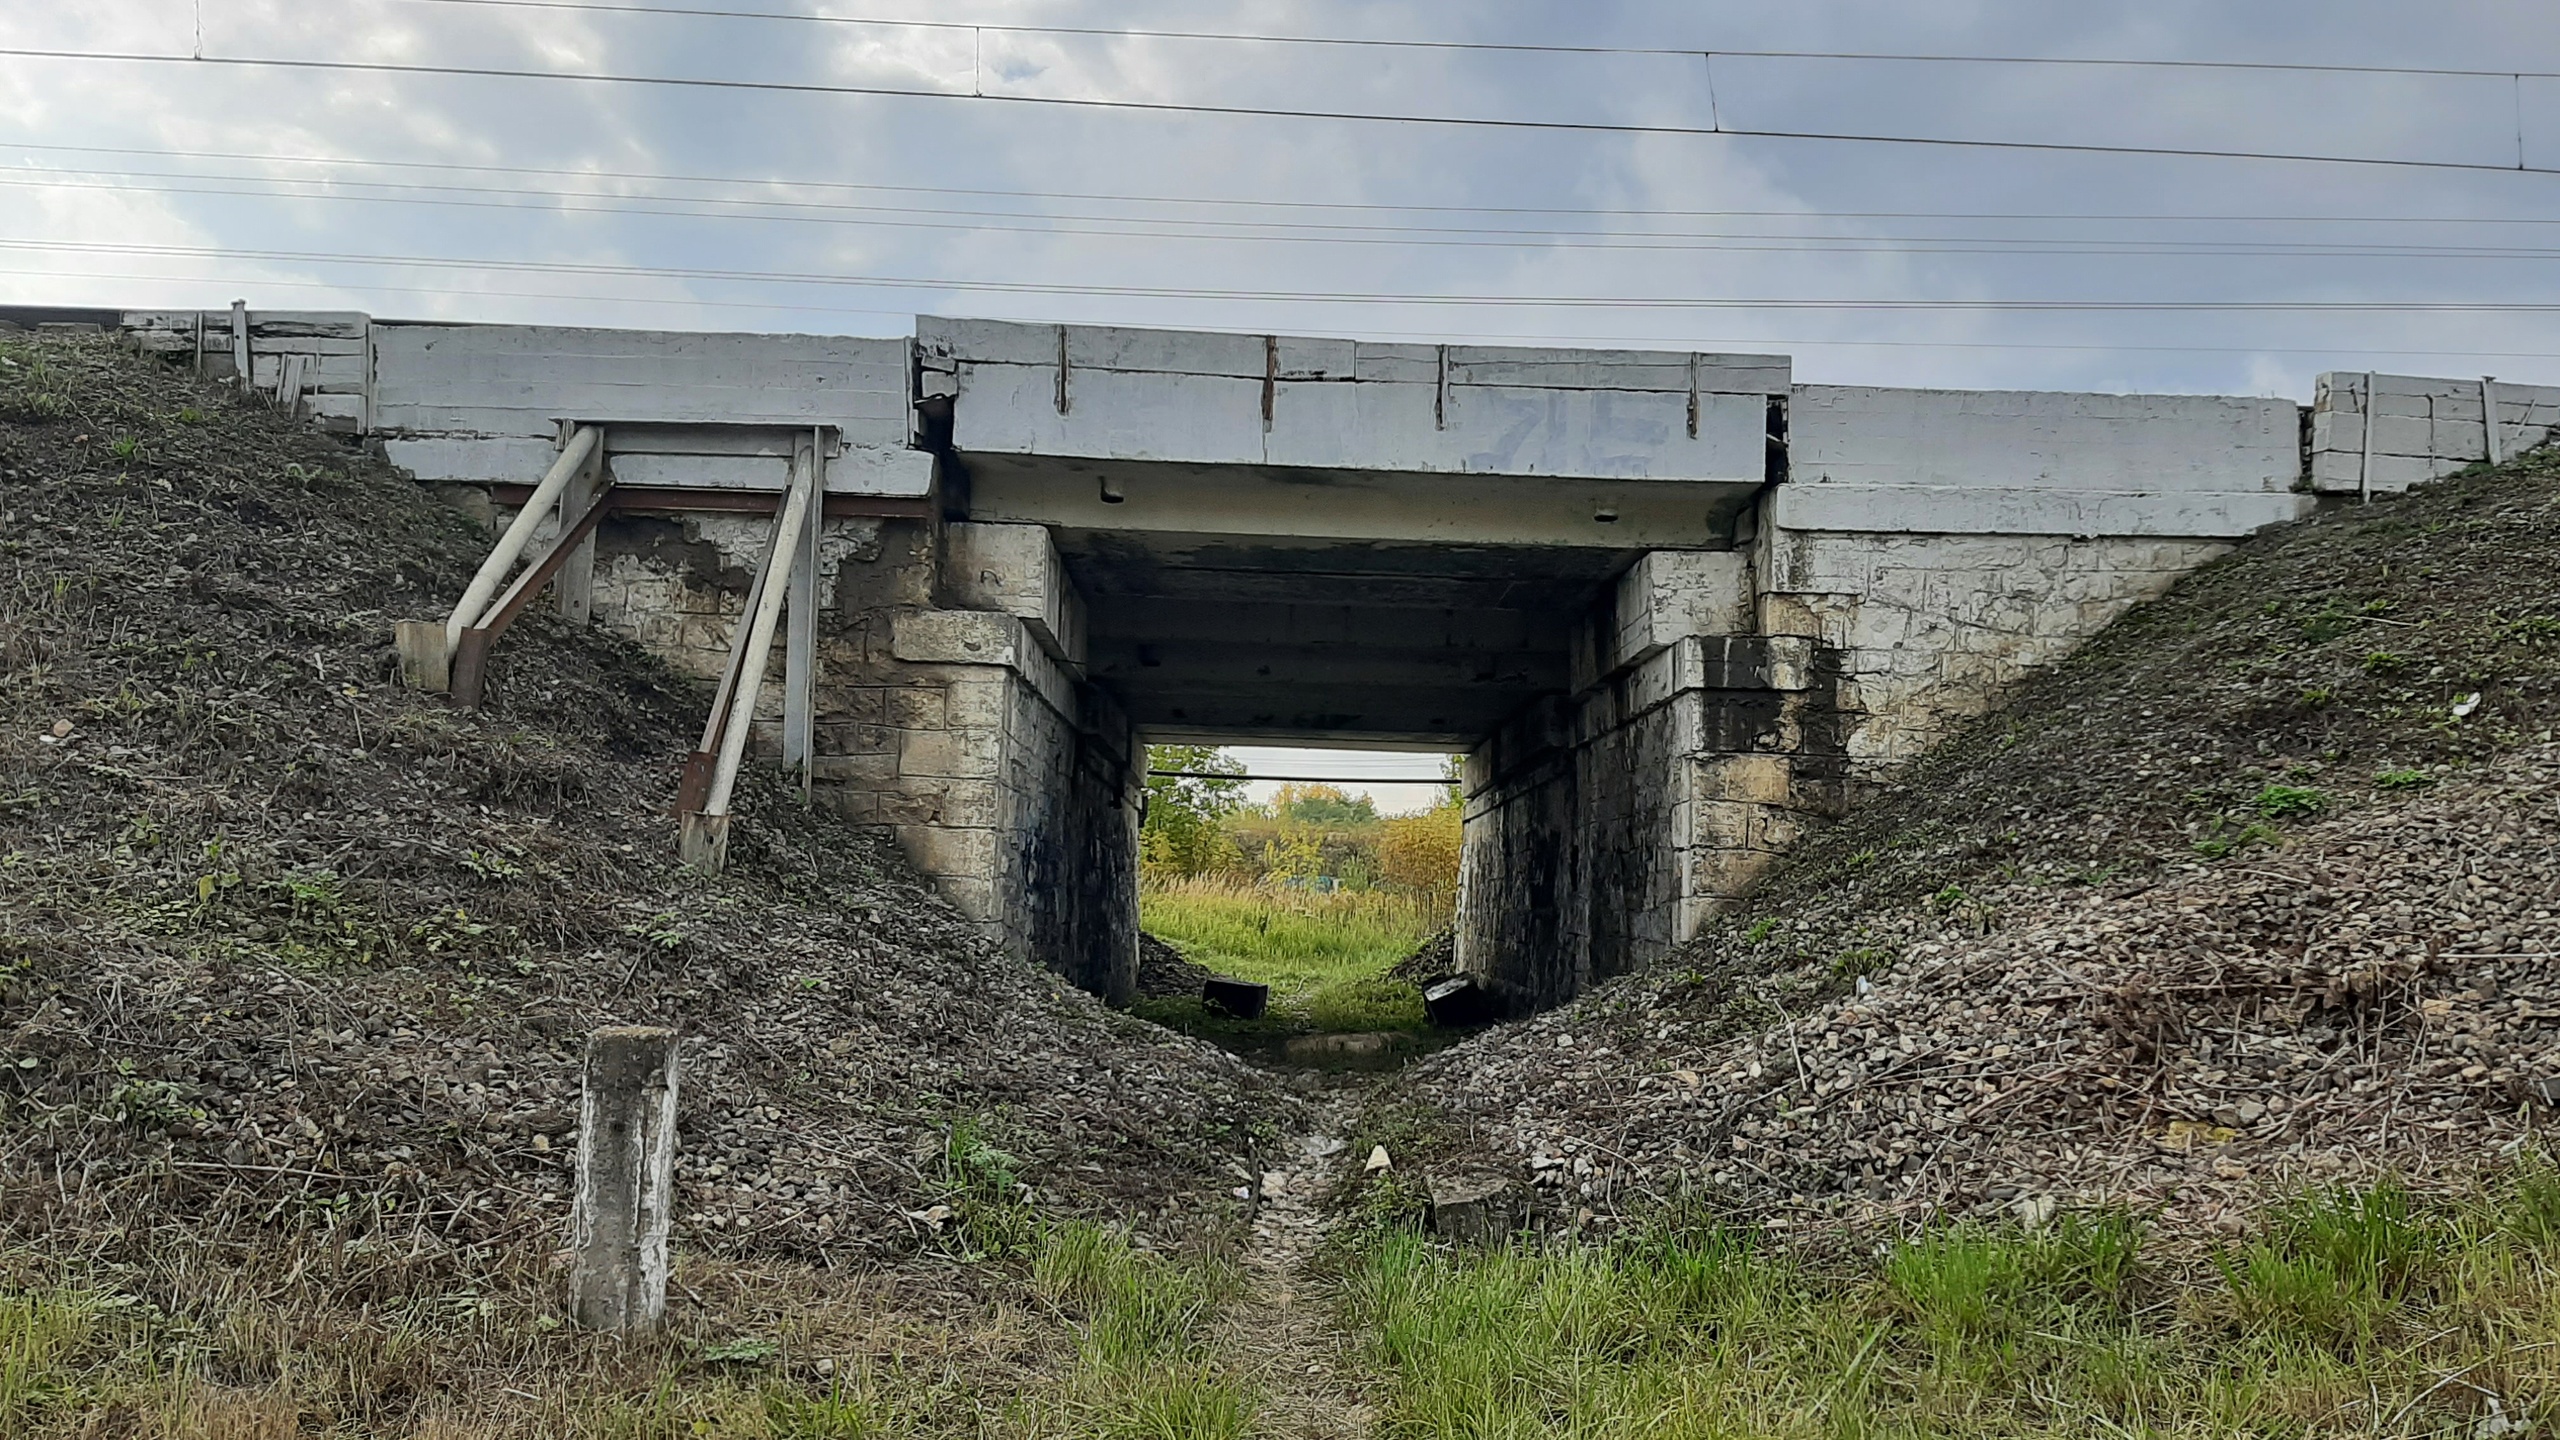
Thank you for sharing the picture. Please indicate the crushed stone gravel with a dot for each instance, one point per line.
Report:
(277, 935)
(2261, 888)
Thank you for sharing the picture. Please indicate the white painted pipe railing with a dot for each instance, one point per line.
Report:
(742, 705)
(573, 458)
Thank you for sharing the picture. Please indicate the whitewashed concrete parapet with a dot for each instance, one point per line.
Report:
(481, 404)
(1219, 399)
(2037, 463)
(320, 361)
(2419, 429)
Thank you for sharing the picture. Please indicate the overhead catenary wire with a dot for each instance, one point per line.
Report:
(1494, 46)
(800, 183)
(1175, 107)
(1343, 779)
(1349, 297)
(1254, 232)
(1675, 343)
(920, 217)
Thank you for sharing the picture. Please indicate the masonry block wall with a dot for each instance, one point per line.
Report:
(1005, 777)
(1603, 832)
(1942, 543)
(1010, 783)
(1930, 630)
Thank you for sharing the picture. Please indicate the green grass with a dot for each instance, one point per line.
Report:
(1325, 956)
(1090, 1339)
(2345, 1313)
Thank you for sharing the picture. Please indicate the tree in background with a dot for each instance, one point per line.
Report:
(1420, 852)
(1323, 805)
(1181, 835)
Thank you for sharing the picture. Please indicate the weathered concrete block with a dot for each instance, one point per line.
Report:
(623, 1208)
(426, 663)
(943, 850)
(970, 754)
(2403, 434)
(1665, 597)
(956, 637)
(1016, 569)
(1758, 779)
(1474, 1210)
(1244, 999)
(975, 898)
(915, 707)
(1462, 1002)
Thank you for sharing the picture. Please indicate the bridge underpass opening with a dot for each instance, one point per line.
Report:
(1311, 890)
(1530, 558)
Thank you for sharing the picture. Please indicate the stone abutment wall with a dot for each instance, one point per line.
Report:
(1603, 832)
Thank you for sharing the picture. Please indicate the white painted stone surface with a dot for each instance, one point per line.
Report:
(2420, 428)
(1222, 399)
(1016, 569)
(2037, 463)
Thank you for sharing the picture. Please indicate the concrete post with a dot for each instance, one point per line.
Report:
(626, 1179)
(426, 661)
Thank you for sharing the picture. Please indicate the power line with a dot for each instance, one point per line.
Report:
(805, 183)
(1170, 107)
(1675, 343)
(1345, 297)
(1261, 232)
(1683, 52)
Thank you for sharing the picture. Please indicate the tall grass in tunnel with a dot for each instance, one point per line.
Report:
(1324, 954)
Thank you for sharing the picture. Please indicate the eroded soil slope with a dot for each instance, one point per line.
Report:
(278, 939)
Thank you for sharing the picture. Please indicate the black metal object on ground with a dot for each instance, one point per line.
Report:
(1462, 1001)
(1244, 999)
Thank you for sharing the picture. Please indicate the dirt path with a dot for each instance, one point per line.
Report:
(1281, 1333)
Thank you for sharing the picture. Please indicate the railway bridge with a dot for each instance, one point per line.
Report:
(1673, 607)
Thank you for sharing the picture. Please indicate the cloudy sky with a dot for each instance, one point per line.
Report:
(129, 182)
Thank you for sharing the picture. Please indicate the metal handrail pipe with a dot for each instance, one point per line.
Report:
(768, 611)
(475, 598)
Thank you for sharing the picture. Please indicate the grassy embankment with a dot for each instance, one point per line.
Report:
(1324, 955)
(2368, 1312)
(1039, 1329)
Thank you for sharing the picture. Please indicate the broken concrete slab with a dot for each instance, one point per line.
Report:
(1474, 1210)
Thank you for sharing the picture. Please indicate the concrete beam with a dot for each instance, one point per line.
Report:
(1251, 623)
(1214, 664)
(1226, 399)
(1954, 510)
(1436, 717)
(1355, 505)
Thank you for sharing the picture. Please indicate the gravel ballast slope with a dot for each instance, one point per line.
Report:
(2259, 887)
(276, 935)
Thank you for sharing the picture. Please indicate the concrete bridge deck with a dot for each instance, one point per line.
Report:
(1674, 607)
